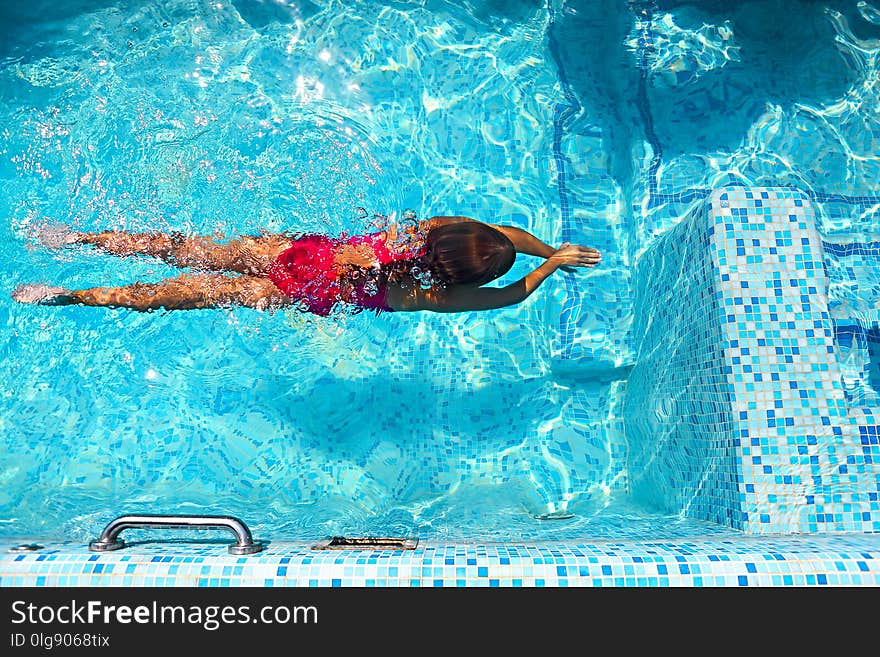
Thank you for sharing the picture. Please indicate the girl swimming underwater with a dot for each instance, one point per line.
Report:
(439, 265)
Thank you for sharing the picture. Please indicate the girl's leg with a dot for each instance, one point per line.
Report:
(186, 292)
(247, 254)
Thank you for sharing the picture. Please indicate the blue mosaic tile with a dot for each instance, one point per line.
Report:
(683, 455)
(843, 560)
(737, 379)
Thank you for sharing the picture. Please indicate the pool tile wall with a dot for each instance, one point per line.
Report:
(678, 417)
(751, 429)
(742, 561)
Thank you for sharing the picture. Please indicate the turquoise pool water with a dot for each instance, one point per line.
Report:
(594, 122)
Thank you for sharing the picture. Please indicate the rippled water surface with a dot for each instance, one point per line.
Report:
(223, 118)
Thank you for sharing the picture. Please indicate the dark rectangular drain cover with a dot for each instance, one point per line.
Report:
(367, 543)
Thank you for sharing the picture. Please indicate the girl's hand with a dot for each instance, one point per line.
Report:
(569, 257)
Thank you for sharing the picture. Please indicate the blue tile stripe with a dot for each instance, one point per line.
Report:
(849, 199)
(862, 332)
(851, 248)
(563, 113)
(698, 193)
(644, 12)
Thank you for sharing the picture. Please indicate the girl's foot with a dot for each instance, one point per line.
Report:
(43, 294)
(54, 236)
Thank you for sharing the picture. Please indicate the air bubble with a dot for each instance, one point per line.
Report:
(371, 287)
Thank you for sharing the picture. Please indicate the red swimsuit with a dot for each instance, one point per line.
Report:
(306, 273)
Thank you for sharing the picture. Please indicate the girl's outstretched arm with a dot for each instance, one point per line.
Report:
(461, 298)
(525, 242)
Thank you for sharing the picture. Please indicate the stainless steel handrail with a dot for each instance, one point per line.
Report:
(109, 541)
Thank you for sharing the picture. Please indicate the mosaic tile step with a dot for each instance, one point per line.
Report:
(736, 408)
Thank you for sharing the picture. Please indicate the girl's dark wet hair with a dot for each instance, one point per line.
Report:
(468, 253)
(463, 253)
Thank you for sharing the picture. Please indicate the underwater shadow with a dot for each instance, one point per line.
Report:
(601, 72)
(498, 14)
(347, 414)
(260, 14)
(31, 28)
(786, 54)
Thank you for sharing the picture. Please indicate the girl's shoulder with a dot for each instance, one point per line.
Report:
(413, 297)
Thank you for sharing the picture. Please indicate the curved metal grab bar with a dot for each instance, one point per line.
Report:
(109, 540)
